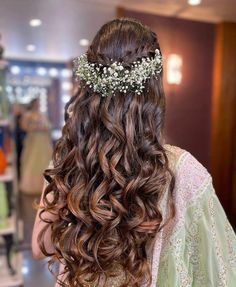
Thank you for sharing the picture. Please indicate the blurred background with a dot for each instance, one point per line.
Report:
(39, 39)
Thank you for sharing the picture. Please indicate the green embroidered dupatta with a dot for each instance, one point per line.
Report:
(198, 247)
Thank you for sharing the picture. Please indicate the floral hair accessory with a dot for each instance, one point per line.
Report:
(107, 80)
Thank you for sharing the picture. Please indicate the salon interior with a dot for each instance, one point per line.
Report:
(38, 42)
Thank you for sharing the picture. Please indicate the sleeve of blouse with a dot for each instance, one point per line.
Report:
(203, 252)
(211, 242)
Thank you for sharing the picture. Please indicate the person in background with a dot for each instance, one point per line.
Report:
(121, 207)
(19, 134)
(37, 149)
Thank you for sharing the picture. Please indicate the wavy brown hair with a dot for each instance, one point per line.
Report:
(110, 170)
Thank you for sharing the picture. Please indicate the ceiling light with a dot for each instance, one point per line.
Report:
(35, 22)
(25, 270)
(30, 48)
(66, 98)
(66, 73)
(66, 86)
(84, 42)
(15, 70)
(41, 71)
(194, 2)
(9, 89)
(53, 72)
(56, 134)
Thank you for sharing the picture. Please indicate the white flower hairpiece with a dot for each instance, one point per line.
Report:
(109, 80)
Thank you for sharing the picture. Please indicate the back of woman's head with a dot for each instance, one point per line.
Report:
(122, 40)
(110, 168)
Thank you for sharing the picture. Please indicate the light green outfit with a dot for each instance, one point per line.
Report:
(37, 153)
(198, 248)
(3, 205)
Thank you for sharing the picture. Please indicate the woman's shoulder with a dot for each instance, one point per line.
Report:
(191, 176)
(180, 159)
(174, 154)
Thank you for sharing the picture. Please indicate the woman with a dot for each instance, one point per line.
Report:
(121, 208)
(19, 134)
(37, 149)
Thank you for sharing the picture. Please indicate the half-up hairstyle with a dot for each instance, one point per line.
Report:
(110, 170)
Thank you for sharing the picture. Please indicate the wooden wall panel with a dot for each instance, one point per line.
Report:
(223, 143)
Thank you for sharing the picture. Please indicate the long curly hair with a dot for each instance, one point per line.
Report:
(110, 171)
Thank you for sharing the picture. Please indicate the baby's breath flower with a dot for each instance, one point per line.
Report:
(117, 78)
